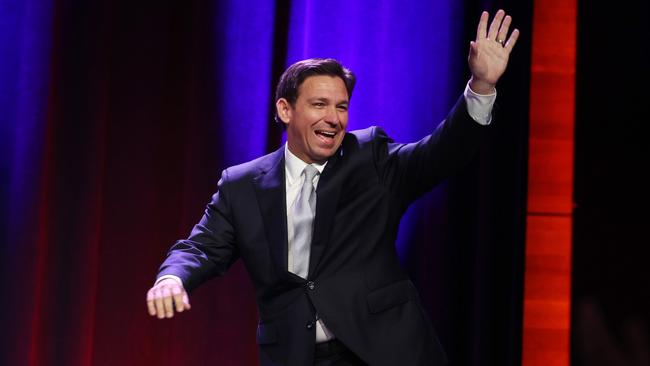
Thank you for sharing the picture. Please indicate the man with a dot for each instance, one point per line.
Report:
(315, 222)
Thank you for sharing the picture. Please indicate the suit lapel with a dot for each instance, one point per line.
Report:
(327, 199)
(270, 188)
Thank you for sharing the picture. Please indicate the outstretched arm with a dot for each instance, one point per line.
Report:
(209, 251)
(412, 169)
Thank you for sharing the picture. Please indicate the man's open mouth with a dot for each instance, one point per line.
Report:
(326, 134)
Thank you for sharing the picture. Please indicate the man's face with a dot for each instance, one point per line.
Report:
(316, 124)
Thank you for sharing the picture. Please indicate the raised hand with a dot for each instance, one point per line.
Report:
(489, 53)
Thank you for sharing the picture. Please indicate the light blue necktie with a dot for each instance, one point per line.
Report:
(303, 219)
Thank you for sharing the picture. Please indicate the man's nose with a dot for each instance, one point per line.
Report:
(332, 115)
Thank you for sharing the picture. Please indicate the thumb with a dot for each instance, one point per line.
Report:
(472, 48)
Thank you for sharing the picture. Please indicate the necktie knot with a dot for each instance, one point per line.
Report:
(310, 173)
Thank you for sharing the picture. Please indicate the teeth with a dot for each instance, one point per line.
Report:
(328, 134)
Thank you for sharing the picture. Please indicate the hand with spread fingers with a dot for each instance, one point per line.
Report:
(489, 53)
(165, 297)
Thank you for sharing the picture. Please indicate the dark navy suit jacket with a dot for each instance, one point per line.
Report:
(355, 283)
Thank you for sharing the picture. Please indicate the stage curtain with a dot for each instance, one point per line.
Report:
(117, 118)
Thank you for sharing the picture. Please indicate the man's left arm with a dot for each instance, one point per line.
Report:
(412, 169)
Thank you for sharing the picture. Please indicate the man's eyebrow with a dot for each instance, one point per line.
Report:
(325, 99)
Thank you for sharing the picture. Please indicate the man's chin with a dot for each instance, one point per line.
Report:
(322, 155)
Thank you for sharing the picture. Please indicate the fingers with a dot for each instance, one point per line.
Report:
(503, 31)
(186, 301)
(150, 303)
(167, 302)
(498, 30)
(165, 297)
(181, 301)
(158, 301)
(512, 40)
(482, 26)
(495, 25)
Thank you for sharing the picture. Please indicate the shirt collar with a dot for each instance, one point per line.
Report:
(294, 166)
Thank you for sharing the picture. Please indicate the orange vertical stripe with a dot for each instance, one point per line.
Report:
(547, 292)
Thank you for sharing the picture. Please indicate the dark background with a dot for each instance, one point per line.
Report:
(611, 276)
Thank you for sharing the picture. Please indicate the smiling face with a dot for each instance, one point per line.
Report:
(316, 123)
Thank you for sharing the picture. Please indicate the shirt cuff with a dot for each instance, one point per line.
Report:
(479, 106)
(176, 278)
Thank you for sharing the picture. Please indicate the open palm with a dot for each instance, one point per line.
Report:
(489, 53)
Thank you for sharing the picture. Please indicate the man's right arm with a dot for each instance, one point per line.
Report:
(208, 252)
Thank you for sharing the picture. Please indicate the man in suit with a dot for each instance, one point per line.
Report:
(315, 222)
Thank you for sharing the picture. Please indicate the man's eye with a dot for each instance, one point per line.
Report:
(319, 104)
(343, 107)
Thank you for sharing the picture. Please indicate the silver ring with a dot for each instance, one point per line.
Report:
(501, 42)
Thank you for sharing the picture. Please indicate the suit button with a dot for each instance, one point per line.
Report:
(311, 285)
(310, 325)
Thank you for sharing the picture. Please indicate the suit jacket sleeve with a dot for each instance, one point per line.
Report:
(410, 170)
(210, 249)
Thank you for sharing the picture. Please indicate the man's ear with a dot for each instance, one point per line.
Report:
(283, 109)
